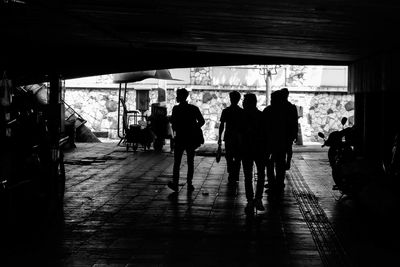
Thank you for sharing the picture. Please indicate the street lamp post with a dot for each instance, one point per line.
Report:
(266, 73)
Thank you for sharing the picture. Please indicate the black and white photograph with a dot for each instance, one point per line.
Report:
(208, 133)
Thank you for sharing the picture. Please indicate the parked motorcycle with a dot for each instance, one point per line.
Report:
(392, 168)
(348, 172)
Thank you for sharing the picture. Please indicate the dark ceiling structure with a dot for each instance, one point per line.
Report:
(87, 37)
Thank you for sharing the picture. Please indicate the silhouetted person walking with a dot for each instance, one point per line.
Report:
(293, 126)
(252, 150)
(186, 121)
(231, 118)
(279, 120)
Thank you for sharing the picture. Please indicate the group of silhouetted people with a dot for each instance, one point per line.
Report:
(251, 137)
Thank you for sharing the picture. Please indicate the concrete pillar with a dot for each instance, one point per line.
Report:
(55, 110)
(55, 180)
(391, 121)
(373, 125)
(374, 81)
(377, 113)
(359, 117)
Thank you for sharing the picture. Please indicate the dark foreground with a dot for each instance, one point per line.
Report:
(118, 211)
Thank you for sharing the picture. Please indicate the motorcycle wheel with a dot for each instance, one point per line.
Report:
(337, 178)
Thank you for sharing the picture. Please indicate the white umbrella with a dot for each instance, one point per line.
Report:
(130, 77)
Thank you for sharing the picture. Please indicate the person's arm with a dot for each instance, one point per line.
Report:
(221, 127)
(199, 118)
(221, 130)
(295, 126)
(266, 127)
(173, 119)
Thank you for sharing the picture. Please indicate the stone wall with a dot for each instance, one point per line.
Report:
(321, 111)
(200, 76)
(99, 107)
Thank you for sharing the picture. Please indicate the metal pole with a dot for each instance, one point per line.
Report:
(266, 73)
(267, 88)
(285, 75)
(119, 113)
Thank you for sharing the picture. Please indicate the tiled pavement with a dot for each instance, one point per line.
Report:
(118, 211)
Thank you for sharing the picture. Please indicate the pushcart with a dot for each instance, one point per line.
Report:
(136, 130)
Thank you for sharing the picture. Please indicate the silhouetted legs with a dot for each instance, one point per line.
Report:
(289, 155)
(178, 153)
(280, 169)
(171, 144)
(276, 169)
(248, 182)
(232, 161)
(270, 171)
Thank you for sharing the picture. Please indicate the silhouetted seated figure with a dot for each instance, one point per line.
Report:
(252, 151)
(231, 118)
(279, 120)
(186, 121)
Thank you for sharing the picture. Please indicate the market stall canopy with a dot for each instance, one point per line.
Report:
(136, 76)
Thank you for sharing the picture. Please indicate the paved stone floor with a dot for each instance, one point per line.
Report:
(118, 211)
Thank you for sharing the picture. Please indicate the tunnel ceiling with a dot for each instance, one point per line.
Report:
(88, 37)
